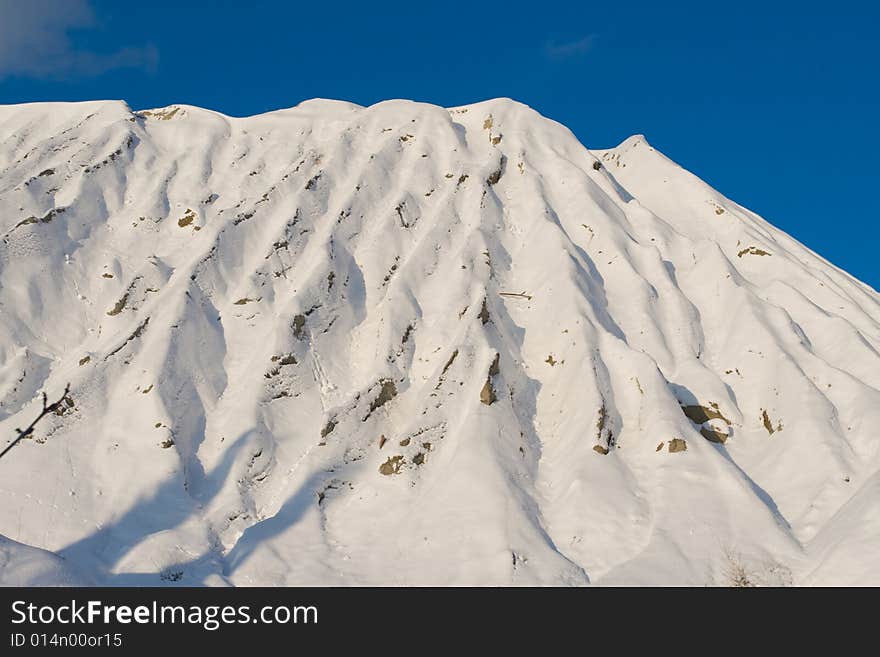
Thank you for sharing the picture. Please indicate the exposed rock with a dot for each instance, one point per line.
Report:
(700, 414)
(299, 321)
(677, 445)
(487, 394)
(768, 425)
(328, 428)
(386, 394)
(484, 313)
(713, 435)
(188, 217)
(753, 250)
(392, 465)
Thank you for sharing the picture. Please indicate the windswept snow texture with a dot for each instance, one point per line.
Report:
(404, 344)
(22, 565)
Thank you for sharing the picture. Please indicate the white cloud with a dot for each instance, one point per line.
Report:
(34, 41)
(569, 49)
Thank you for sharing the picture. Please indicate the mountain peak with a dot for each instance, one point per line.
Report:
(335, 344)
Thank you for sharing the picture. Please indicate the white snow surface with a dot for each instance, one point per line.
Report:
(280, 332)
(22, 565)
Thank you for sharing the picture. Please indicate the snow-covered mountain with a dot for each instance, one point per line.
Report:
(404, 344)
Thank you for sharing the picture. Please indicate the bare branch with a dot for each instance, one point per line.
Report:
(522, 295)
(47, 408)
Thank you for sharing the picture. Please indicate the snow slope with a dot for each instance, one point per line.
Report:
(405, 344)
(22, 565)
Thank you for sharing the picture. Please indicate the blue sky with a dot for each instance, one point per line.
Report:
(772, 103)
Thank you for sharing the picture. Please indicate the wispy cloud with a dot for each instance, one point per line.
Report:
(569, 49)
(34, 41)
